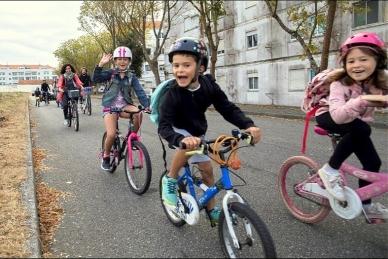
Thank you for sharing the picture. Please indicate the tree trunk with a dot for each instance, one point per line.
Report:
(329, 29)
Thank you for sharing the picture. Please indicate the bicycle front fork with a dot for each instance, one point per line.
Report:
(230, 194)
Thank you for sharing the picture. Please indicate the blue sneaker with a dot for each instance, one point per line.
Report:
(214, 215)
(169, 191)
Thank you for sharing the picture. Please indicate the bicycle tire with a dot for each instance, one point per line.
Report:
(260, 244)
(89, 105)
(139, 172)
(75, 117)
(69, 115)
(306, 208)
(114, 150)
(176, 221)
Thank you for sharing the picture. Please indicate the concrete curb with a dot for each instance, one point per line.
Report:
(29, 197)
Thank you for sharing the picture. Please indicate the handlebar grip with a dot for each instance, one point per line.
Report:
(182, 145)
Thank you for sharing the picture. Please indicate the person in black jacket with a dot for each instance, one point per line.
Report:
(182, 115)
(85, 79)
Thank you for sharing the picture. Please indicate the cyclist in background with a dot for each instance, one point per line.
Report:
(44, 88)
(122, 81)
(85, 79)
(182, 115)
(68, 80)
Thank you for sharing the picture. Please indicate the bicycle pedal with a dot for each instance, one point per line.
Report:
(375, 221)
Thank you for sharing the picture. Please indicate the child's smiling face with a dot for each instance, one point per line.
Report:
(184, 69)
(360, 65)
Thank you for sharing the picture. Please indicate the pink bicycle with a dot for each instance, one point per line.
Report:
(137, 164)
(306, 198)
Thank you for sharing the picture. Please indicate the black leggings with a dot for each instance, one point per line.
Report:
(355, 139)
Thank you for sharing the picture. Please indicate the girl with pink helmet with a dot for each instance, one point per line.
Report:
(122, 83)
(356, 90)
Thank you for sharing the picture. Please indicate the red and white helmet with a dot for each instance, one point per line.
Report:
(122, 52)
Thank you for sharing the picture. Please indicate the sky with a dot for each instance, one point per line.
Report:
(30, 31)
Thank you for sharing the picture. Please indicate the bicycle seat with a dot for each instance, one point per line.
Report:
(324, 132)
(321, 131)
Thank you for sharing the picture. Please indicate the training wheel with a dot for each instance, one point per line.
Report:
(349, 209)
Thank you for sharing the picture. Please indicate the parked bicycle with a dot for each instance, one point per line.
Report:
(241, 231)
(305, 196)
(86, 105)
(72, 114)
(137, 164)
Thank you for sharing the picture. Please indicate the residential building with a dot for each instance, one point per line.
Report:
(25, 74)
(258, 62)
(148, 79)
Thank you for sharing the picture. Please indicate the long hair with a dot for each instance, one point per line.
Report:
(63, 69)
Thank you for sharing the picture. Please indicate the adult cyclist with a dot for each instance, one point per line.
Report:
(122, 81)
(44, 88)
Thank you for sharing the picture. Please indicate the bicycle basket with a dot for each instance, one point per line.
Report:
(73, 93)
(233, 161)
(88, 90)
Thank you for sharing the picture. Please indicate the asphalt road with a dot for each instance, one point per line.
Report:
(103, 218)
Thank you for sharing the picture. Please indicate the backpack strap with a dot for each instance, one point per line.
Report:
(309, 115)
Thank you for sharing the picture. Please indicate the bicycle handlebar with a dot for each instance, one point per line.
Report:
(118, 110)
(204, 148)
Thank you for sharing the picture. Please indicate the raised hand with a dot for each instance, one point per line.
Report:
(105, 59)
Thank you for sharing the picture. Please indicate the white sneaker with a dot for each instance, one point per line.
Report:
(376, 211)
(332, 184)
(65, 122)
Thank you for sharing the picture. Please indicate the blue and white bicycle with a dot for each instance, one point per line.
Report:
(241, 231)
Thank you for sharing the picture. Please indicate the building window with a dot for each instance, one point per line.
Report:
(161, 67)
(365, 12)
(253, 83)
(296, 79)
(147, 68)
(252, 40)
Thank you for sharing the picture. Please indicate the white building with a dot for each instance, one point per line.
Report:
(258, 62)
(29, 74)
(148, 79)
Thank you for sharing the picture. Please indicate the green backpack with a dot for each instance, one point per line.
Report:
(156, 99)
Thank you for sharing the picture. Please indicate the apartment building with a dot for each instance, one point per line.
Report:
(258, 62)
(30, 74)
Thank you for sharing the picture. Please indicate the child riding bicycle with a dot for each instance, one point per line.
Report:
(182, 115)
(353, 90)
(118, 95)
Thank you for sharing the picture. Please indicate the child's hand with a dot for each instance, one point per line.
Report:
(105, 59)
(191, 142)
(256, 134)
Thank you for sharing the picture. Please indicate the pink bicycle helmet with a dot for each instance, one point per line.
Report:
(360, 39)
(122, 52)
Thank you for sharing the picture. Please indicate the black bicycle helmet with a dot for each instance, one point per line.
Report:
(188, 45)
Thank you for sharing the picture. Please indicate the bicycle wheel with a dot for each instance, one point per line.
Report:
(69, 114)
(138, 168)
(75, 116)
(258, 244)
(89, 105)
(174, 219)
(296, 171)
(114, 152)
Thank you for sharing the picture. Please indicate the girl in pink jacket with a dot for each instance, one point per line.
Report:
(68, 80)
(364, 60)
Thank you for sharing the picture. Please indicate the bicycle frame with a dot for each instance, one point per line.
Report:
(378, 181)
(224, 183)
(127, 142)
